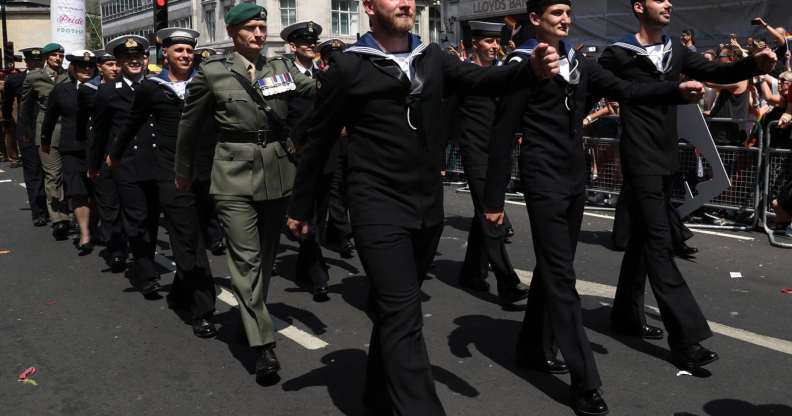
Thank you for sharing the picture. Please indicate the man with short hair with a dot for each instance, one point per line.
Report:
(35, 93)
(688, 40)
(247, 95)
(107, 65)
(649, 155)
(32, 170)
(387, 90)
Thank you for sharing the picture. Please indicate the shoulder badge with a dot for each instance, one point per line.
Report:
(119, 84)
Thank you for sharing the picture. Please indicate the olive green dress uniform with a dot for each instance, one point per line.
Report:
(35, 93)
(252, 174)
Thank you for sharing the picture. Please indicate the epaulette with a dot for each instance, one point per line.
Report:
(214, 58)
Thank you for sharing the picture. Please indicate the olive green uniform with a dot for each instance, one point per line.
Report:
(252, 174)
(35, 94)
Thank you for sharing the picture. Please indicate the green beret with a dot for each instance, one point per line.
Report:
(243, 12)
(51, 48)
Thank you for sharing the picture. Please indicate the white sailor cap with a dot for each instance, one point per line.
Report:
(173, 35)
(81, 56)
(479, 29)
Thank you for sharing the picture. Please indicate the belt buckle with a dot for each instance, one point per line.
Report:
(259, 140)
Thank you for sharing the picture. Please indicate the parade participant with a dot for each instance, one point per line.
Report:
(162, 98)
(135, 175)
(649, 160)
(32, 170)
(302, 38)
(486, 245)
(62, 108)
(35, 92)
(107, 203)
(247, 96)
(387, 90)
(553, 174)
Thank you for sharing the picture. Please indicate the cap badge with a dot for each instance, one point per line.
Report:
(130, 43)
(86, 57)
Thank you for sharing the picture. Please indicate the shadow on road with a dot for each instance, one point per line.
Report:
(736, 407)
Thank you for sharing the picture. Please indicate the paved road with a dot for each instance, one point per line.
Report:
(101, 349)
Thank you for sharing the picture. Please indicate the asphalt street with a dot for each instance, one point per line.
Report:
(100, 348)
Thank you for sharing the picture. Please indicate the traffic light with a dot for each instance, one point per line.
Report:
(160, 14)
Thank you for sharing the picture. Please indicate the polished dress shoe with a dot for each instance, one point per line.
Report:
(150, 289)
(267, 364)
(642, 331)
(474, 284)
(117, 264)
(202, 328)
(692, 357)
(515, 294)
(685, 251)
(549, 366)
(275, 269)
(347, 250)
(85, 249)
(320, 294)
(40, 222)
(60, 231)
(218, 248)
(589, 403)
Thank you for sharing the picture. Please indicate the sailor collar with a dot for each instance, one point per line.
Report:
(528, 47)
(367, 45)
(631, 43)
(162, 79)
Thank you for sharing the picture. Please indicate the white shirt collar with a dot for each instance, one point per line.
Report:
(301, 68)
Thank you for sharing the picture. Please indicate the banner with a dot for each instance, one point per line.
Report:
(67, 19)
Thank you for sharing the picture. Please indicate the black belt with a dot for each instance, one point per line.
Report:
(261, 137)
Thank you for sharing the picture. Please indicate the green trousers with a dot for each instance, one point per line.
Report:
(252, 233)
(53, 183)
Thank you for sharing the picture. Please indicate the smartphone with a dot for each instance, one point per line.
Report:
(756, 21)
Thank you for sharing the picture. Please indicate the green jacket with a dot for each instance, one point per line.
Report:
(35, 93)
(263, 172)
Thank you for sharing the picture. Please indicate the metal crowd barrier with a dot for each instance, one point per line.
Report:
(778, 170)
(743, 165)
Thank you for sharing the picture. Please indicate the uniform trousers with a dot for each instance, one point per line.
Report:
(650, 253)
(311, 265)
(140, 208)
(252, 234)
(52, 164)
(398, 376)
(486, 245)
(621, 224)
(553, 299)
(33, 173)
(193, 285)
(207, 213)
(332, 210)
(108, 208)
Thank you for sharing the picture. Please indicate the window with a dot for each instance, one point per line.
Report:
(435, 22)
(288, 10)
(209, 20)
(344, 17)
(417, 25)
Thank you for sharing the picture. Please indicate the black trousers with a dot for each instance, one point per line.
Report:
(193, 285)
(33, 172)
(311, 265)
(399, 376)
(622, 222)
(140, 208)
(332, 210)
(553, 299)
(486, 244)
(207, 213)
(650, 253)
(108, 210)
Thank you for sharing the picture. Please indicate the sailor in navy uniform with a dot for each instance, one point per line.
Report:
(162, 98)
(553, 173)
(389, 98)
(472, 123)
(302, 38)
(649, 160)
(134, 172)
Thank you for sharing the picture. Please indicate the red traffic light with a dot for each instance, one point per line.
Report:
(161, 3)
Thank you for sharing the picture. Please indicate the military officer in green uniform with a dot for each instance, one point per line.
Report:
(35, 93)
(247, 96)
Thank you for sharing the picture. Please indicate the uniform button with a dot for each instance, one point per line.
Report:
(151, 124)
(152, 134)
(154, 145)
(134, 147)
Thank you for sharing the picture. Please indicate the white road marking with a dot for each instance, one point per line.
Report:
(2, 171)
(695, 230)
(5, 180)
(607, 291)
(22, 184)
(306, 340)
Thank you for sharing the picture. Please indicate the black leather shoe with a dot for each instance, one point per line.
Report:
(320, 294)
(347, 250)
(40, 222)
(117, 264)
(267, 364)
(275, 269)
(60, 231)
(474, 284)
(202, 328)
(643, 331)
(218, 248)
(509, 234)
(85, 249)
(589, 403)
(685, 251)
(544, 366)
(692, 357)
(515, 294)
(150, 289)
